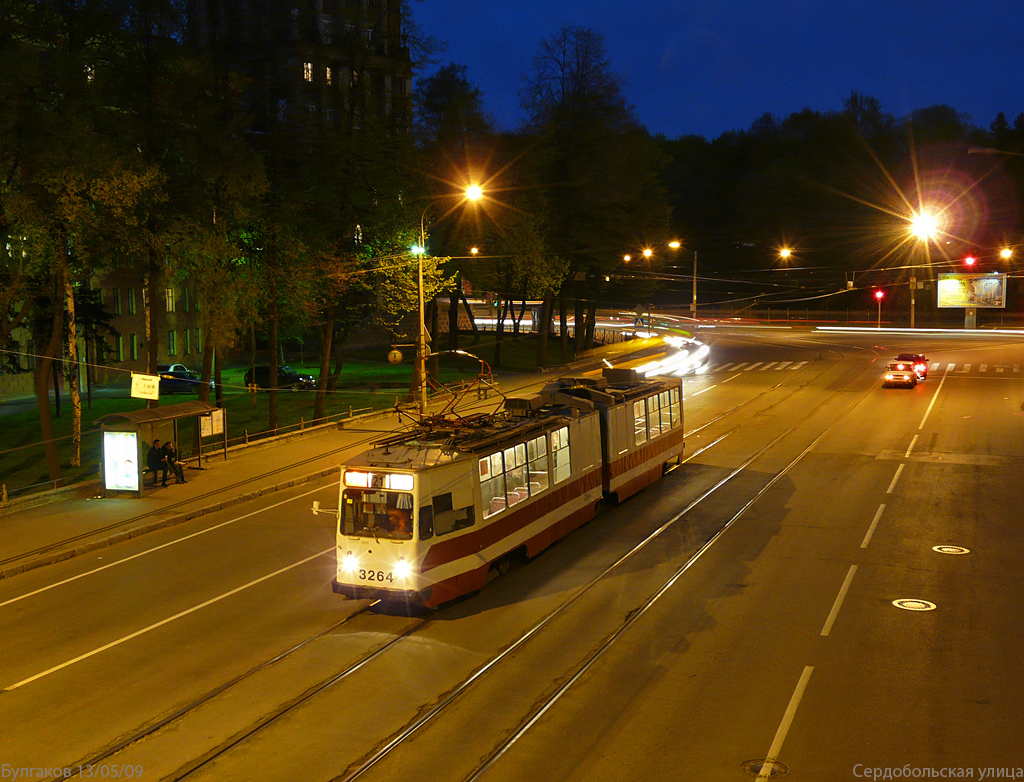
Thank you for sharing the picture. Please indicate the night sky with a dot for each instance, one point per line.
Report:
(708, 66)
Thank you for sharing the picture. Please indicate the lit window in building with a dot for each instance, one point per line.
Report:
(184, 300)
(199, 340)
(119, 348)
(172, 348)
(131, 301)
(116, 301)
(329, 75)
(169, 299)
(357, 237)
(307, 71)
(90, 73)
(133, 347)
(186, 345)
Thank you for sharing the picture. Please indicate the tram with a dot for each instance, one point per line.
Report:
(425, 514)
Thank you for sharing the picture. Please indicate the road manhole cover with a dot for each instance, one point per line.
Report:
(774, 770)
(951, 549)
(910, 604)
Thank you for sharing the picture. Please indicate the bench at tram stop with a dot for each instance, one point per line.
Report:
(128, 435)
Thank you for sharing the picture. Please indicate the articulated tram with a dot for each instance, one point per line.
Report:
(425, 514)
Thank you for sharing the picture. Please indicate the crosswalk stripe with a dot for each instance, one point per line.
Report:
(769, 365)
(728, 367)
(983, 368)
(967, 368)
(1016, 367)
(798, 365)
(935, 367)
(782, 365)
(1000, 369)
(738, 367)
(950, 367)
(755, 364)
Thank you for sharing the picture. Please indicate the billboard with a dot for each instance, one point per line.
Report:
(121, 468)
(972, 290)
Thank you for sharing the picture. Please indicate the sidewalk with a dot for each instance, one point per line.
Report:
(81, 520)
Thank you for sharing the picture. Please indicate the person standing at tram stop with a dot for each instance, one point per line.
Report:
(155, 460)
(171, 460)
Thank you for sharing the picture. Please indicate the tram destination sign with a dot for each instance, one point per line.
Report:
(972, 290)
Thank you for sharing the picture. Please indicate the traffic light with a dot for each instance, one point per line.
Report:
(969, 261)
(879, 295)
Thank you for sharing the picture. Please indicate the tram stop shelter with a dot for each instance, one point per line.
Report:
(128, 436)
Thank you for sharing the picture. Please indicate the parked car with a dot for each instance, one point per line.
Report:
(179, 381)
(286, 378)
(172, 368)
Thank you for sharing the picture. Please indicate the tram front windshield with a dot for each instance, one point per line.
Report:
(371, 513)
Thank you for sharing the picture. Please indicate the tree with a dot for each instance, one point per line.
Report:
(596, 162)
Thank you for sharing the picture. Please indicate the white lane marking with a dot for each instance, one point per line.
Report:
(932, 403)
(754, 365)
(169, 619)
(769, 365)
(983, 368)
(950, 367)
(798, 364)
(895, 478)
(874, 523)
(731, 378)
(698, 393)
(787, 720)
(910, 448)
(157, 548)
(783, 365)
(965, 370)
(839, 601)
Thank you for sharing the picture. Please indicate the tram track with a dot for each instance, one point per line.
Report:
(294, 703)
(430, 715)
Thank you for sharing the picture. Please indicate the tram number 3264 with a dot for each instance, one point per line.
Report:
(375, 575)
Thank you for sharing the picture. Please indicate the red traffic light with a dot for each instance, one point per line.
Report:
(879, 295)
(970, 260)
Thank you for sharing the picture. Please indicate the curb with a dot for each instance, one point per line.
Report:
(53, 557)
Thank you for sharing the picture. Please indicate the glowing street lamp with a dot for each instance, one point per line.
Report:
(472, 193)
(924, 225)
(1006, 253)
(879, 295)
(784, 253)
(648, 252)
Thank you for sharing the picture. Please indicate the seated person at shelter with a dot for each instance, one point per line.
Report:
(155, 461)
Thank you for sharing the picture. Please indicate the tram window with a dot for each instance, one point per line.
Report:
(516, 489)
(639, 422)
(677, 416)
(653, 416)
(537, 464)
(560, 460)
(453, 520)
(426, 522)
(376, 514)
(492, 488)
(666, 411)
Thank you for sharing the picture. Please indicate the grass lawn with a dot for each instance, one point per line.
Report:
(364, 385)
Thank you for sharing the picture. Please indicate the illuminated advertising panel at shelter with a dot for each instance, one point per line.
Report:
(972, 290)
(121, 461)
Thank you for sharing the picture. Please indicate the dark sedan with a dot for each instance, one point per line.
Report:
(286, 378)
(180, 381)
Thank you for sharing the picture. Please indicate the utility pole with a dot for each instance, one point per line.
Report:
(693, 304)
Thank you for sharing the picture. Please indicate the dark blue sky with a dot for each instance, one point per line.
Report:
(707, 66)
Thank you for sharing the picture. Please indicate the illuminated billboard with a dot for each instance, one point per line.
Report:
(972, 290)
(121, 461)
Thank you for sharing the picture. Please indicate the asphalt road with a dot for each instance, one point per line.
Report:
(652, 654)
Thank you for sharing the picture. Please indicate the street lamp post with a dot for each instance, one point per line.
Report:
(473, 193)
(693, 304)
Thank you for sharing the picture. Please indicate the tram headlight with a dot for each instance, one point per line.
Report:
(403, 569)
(350, 563)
